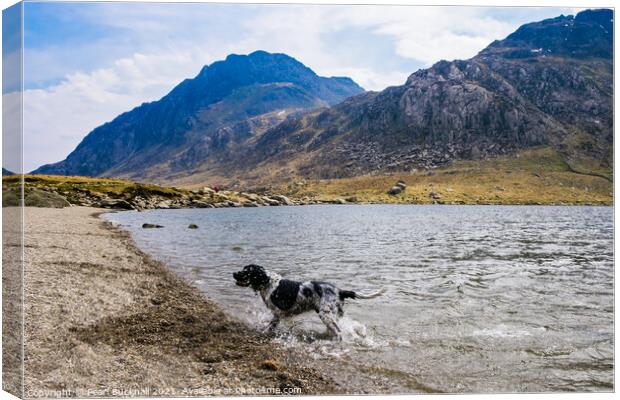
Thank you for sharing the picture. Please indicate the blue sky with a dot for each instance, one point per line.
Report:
(87, 62)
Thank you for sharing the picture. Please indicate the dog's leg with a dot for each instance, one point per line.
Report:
(330, 320)
(273, 324)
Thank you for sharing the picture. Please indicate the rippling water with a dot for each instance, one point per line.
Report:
(478, 298)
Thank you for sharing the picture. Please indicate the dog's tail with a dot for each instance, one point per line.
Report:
(346, 294)
(349, 294)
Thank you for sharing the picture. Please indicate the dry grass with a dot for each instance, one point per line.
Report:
(538, 176)
(71, 187)
(111, 187)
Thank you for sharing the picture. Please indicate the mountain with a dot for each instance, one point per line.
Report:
(225, 104)
(548, 84)
(6, 172)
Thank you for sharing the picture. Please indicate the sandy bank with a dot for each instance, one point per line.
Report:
(103, 318)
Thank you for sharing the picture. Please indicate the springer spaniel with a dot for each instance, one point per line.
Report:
(286, 297)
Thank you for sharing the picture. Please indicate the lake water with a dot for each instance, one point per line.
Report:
(478, 298)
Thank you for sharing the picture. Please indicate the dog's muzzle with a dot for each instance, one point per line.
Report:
(239, 280)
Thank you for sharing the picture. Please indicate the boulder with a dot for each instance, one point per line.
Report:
(201, 204)
(150, 226)
(33, 198)
(434, 195)
(139, 203)
(116, 204)
(283, 199)
(250, 196)
(270, 201)
(192, 226)
(163, 205)
(222, 196)
(394, 190)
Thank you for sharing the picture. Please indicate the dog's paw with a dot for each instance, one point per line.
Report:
(268, 331)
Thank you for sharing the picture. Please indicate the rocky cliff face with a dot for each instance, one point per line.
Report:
(224, 105)
(549, 83)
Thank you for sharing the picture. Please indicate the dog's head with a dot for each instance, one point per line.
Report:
(252, 275)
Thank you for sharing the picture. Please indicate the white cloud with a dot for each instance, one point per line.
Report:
(11, 132)
(432, 33)
(439, 34)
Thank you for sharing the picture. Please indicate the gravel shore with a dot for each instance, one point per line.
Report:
(104, 319)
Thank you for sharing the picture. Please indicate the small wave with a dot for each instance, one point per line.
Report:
(504, 332)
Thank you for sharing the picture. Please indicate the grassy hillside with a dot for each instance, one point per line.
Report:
(72, 186)
(538, 176)
(59, 191)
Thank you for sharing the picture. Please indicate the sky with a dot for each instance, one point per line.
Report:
(85, 63)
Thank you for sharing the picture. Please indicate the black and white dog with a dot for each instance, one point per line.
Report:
(286, 298)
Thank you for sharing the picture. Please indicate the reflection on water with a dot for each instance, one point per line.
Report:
(478, 298)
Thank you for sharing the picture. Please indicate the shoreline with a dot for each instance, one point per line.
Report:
(100, 311)
(501, 183)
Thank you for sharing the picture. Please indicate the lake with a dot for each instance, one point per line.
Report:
(477, 298)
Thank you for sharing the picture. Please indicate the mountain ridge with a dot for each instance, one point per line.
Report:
(512, 95)
(156, 128)
(549, 83)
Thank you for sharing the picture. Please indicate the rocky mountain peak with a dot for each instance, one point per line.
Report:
(586, 35)
(228, 102)
(219, 79)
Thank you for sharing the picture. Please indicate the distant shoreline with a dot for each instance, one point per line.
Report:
(535, 177)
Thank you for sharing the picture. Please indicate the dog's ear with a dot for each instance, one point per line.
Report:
(258, 277)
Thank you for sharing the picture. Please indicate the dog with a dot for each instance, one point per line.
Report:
(286, 298)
